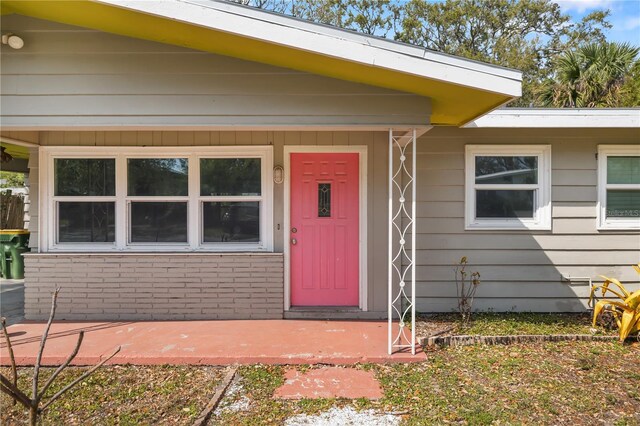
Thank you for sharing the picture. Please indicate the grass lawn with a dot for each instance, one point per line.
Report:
(500, 324)
(121, 395)
(577, 383)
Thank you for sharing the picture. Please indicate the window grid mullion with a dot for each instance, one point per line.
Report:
(506, 187)
(230, 199)
(623, 186)
(156, 199)
(122, 221)
(84, 199)
(194, 227)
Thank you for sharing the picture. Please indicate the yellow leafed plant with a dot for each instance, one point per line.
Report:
(625, 310)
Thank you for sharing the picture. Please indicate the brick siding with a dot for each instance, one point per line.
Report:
(155, 286)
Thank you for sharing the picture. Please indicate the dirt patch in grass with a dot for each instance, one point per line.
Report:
(577, 383)
(511, 323)
(259, 383)
(121, 395)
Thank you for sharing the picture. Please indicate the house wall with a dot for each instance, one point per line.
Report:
(521, 270)
(377, 152)
(68, 76)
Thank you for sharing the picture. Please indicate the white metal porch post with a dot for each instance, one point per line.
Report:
(402, 223)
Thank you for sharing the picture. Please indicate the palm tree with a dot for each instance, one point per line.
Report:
(593, 75)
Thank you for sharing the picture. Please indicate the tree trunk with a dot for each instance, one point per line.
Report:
(33, 416)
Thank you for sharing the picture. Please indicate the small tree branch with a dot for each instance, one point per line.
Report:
(62, 367)
(9, 392)
(78, 380)
(13, 391)
(15, 397)
(45, 334)
(14, 368)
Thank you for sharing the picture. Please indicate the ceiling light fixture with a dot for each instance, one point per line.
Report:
(12, 40)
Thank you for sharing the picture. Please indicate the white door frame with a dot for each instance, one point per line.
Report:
(361, 150)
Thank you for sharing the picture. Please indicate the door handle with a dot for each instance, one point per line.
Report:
(294, 241)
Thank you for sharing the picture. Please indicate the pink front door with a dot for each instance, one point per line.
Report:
(324, 234)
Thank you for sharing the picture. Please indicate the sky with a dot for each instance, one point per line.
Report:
(625, 16)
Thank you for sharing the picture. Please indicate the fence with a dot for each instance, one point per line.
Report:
(11, 210)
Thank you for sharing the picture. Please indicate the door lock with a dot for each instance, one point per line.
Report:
(294, 241)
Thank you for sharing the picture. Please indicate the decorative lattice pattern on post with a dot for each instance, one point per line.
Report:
(402, 231)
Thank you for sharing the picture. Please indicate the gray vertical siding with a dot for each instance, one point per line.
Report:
(520, 270)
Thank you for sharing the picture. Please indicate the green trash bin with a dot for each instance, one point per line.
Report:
(13, 242)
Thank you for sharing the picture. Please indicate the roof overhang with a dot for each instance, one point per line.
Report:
(460, 89)
(559, 118)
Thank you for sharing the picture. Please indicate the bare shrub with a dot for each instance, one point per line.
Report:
(466, 287)
(35, 403)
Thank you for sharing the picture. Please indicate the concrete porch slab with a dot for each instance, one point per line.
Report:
(209, 342)
(329, 382)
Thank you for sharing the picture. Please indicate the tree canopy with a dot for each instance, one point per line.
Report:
(592, 75)
(11, 179)
(528, 35)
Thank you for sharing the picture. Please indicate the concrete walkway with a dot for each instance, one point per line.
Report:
(209, 342)
(12, 300)
(329, 382)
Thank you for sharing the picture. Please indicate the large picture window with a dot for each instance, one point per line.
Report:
(619, 187)
(158, 199)
(508, 187)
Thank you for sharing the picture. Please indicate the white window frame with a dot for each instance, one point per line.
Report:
(56, 199)
(542, 196)
(615, 223)
(129, 199)
(49, 227)
(266, 175)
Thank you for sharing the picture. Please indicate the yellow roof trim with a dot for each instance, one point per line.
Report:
(452, 104)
